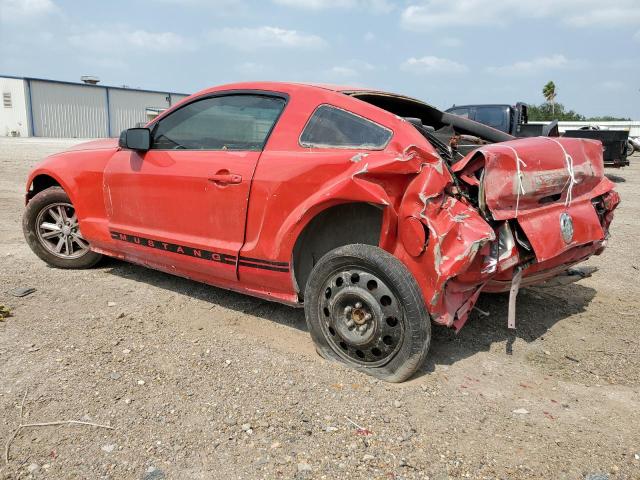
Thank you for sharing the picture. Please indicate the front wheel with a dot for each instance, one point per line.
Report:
(50, 226)
(630, 149)
(365, 309)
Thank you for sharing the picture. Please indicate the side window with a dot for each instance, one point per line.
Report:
(333, 127)
(233, 122)
(463, 112)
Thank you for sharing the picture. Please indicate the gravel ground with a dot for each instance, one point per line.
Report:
(203, 383)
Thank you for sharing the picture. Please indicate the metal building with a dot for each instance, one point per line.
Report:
(35, 107)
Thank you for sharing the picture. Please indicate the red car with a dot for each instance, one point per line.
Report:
(377, 212)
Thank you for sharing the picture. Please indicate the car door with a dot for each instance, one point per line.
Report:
(182, 204)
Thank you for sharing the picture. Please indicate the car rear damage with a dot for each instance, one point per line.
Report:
(504, 214)
(522, 212)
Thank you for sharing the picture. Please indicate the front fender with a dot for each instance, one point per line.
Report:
(81, 174)
(68, 185)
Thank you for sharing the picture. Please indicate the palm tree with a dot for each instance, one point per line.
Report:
(549, 92)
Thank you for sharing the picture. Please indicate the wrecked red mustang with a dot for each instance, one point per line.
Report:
(379, 213)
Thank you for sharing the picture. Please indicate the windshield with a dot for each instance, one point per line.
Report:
(496, 117)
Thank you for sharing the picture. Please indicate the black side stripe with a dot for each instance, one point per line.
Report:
(265, 262)
(264, 267)
(223, 258)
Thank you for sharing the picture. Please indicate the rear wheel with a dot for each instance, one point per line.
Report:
(365, 309)
(630, 149)
(50, 226)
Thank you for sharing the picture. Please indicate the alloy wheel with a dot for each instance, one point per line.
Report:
(58, 231)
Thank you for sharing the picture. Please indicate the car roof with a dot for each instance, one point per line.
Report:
(288, 86)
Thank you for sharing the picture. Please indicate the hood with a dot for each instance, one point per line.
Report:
(99, 144)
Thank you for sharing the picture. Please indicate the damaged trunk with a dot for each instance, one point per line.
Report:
(508, 212)
(547, 201)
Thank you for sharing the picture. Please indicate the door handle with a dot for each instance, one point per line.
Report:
(226, 178)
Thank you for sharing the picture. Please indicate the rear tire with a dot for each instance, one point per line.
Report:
(365, 309)
(50, 227)
(630, 149)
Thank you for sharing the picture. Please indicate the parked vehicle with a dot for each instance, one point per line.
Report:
(633, 145)
(514, 120)
(354, 203)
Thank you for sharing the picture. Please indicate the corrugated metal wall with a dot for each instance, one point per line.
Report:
(71, 111)
(128, 107)
(68, 110)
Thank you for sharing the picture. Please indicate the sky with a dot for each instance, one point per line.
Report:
(443, 52)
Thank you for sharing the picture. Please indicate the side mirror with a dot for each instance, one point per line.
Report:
(135, 139)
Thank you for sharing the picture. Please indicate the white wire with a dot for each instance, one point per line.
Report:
(568, 160)
(520, 189)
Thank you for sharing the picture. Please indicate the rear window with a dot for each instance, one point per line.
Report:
(332, 127)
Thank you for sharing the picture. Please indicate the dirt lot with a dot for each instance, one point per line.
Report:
(203, 383)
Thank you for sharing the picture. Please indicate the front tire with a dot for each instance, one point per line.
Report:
(50, 227)
(365, 309)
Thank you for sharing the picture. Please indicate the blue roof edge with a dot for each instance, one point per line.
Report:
(64, 82)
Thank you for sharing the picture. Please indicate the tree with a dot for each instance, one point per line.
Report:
(607, 118)
(549, 92)
(548, 112)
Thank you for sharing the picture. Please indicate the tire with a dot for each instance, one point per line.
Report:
(630, 149)
(44, 233)
(365, 309)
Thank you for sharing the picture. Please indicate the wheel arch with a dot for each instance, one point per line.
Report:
(332, 227)
(41, 182)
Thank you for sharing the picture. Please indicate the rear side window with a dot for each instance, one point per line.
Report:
(331, 127)
(233, 122)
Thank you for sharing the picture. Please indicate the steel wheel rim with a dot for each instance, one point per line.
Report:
(59, 233)
(361, 317)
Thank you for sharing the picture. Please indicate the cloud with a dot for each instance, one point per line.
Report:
(121, 38)
(374, 6)
(611, 15)
(432, 65)
(553, 62)
(20, 10)
(352, 69)
(436, 14)
(220, 8)
(202, 3)
(265, 37)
